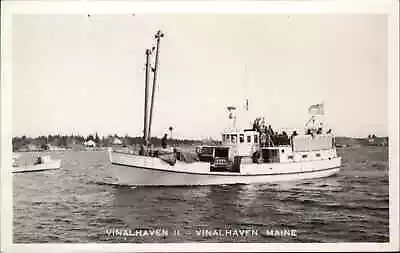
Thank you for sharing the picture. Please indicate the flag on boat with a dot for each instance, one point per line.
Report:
(317, 109)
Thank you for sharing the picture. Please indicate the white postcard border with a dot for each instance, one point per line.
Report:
(99, 7)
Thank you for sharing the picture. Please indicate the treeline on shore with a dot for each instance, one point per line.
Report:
(370, 140)
(24, 143)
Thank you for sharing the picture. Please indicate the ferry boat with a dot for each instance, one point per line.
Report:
(242, 158)
(252, 155)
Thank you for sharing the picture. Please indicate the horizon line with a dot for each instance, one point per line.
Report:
(174, 138)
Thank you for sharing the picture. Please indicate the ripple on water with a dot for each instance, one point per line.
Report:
(78, 203)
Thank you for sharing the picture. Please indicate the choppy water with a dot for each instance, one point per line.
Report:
(80, 203)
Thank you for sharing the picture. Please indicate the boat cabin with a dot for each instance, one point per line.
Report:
(243, 147)
(243, 141)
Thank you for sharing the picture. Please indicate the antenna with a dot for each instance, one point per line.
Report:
(246, 93)
(245, 87)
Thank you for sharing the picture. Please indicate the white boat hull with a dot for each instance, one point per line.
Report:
(150, 171)
(50, 165)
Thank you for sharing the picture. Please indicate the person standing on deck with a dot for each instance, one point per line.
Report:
(164, 141)
(272, 137)
(263, 139)
(271, 132)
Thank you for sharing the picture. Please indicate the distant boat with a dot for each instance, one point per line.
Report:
(43, 163)
(246, 156)
(375, 141)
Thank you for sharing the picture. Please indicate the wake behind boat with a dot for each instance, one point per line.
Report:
(42, 163)
(252, 154)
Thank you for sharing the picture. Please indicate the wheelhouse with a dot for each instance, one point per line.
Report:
(243, 142)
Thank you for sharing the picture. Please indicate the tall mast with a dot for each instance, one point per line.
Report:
(146, 98)
(158, 37)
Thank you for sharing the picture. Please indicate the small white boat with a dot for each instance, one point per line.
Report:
(43, 163)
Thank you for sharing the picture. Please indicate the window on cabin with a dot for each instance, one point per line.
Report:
(317, 154)
(248, 138)
(241, 138)
(234, 138)
(283, 151)
(255, 138)
(304, 156)
(290, 157)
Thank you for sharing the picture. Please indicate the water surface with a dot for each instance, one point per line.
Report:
(81, 202)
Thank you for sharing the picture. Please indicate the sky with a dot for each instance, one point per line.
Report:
(74, 74)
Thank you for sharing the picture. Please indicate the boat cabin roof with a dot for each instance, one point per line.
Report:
(277, 147)
(240, 137)
(239, 131)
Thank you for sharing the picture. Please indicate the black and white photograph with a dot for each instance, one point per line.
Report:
(146, 127)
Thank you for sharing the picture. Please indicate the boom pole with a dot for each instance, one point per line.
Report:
(146, 98)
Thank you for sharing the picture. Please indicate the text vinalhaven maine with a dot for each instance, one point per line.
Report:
(245, 232)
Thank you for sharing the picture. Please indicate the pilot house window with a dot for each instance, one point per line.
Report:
(234, 138)
(241, 138)
(249, 138)
(226, 138)
(255, 138)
